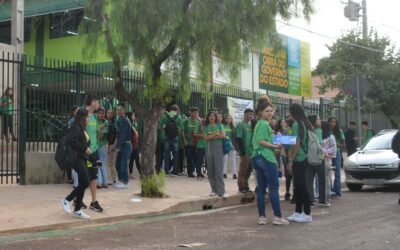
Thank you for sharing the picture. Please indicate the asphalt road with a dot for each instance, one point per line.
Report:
(366, 220)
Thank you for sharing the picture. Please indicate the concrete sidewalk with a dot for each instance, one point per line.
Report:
(38, 207)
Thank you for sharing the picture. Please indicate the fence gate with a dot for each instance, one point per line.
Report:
(10, 77)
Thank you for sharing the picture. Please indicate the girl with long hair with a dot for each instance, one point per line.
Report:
(213, 135)
(337, 162)
(78, 139)
(7, 111)
(134, 157)
(229, 130)
(298, 164)
(265, 164)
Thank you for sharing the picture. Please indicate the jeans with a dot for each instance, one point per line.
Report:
(171, 145)
(267, 175)
(300, 187)
(81, 170)
(122, 162)
(102, 177)
(190, 152)
(336, 188)
(200, 154)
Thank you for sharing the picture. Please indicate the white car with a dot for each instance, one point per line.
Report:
(374, 164)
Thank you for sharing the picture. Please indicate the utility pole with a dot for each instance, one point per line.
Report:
(17, 26)
(365, 21)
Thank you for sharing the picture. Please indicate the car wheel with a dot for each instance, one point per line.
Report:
(354, 187)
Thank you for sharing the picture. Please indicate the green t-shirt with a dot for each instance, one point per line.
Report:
(318, 132)
(229, 132)
(8, 109)
(301, 154)
(191, 127)
(92, 128)
(244, 131)
(103, 132)
(163, 123)
(213, 129)
(368, 134)
(263, 132)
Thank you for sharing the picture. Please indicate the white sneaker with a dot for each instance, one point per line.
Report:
(280, 221)
(225, 195)
(66, 205)
(80, 215)
(294, 216)
(303, 218)
(262, 220)
(213, 194)
(121, 186)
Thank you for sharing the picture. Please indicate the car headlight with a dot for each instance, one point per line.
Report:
(394, 164)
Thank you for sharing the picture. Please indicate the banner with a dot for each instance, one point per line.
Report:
(237, 107)
(286, 69)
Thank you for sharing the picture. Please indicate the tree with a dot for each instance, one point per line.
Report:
(376, 59)
(176, 33)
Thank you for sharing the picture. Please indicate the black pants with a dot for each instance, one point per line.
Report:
(300, 190)
(190, 152)
(288, 177)
(159, 155)
(311, 172)
(7, 126)
(83, 177)
(134, 158)
(180, 160)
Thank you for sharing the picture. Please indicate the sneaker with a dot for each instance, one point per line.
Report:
(262, 220)
(225, 196)
(213, 194)
(200, 176)
(303, 218)
(80, 215)
(95, 206)
(225, 176)
(235, 177)
(244, 190)
(83, 204)
(66, 205)
(104, 186)
(294, 216)
(324, 204)
(287, 197)
(121, 186)
(280, 221)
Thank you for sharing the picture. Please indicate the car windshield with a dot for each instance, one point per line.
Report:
(380, 142)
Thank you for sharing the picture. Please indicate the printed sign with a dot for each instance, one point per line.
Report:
(285, 139)
(237, 107)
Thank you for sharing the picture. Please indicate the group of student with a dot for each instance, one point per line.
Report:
(106, 142)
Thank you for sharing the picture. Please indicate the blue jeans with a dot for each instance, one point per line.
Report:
(267, 175)
(171, 145)
(337, 162)
(200, 154)
(122, 162)
(102, 176)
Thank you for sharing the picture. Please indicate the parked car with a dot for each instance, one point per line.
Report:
(373, 164)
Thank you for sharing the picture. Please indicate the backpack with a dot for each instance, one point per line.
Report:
(112, 133)
(65, 155)
(171, 129)
(315, 154)
(396, 143)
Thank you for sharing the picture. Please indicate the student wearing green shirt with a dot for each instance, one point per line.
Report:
(229, 129)
(171, 127)
(213, 135)
(7, 110)
(243, 141)
(367, 132)
(264, 163)
(92, 129)
(190, 139)
(298, 164)
(102, 181)
(200, 150)
(337, 162)
(317, 173)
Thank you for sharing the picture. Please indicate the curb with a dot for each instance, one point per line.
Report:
(181, 207)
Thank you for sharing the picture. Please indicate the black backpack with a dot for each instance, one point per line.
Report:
(171, 129)
(65, 155)
(396, 143)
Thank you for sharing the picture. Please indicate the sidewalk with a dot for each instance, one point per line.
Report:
(37, 207)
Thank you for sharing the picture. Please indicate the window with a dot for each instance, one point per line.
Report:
(65, 23)
(5, 31)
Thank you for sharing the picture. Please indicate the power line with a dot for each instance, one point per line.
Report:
(329, 37)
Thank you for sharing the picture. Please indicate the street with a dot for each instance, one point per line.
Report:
(366, 220)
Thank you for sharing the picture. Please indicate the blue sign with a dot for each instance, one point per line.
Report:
(285, 139)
